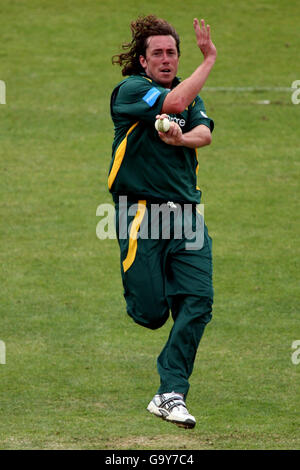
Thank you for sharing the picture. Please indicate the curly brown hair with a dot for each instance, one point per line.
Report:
(141, 29)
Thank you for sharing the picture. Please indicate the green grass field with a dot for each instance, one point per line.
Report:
(79, 373)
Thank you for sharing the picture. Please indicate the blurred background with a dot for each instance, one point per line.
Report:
(78, 373)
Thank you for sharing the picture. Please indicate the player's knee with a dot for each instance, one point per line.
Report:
(159, 321)
(152, 320)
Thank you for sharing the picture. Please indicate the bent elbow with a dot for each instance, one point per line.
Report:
(205, 139)
(174, 106)
(179, 105)
(208, 139)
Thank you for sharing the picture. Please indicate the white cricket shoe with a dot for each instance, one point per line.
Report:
(172, 408)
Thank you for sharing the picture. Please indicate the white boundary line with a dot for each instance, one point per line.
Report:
(247, 88)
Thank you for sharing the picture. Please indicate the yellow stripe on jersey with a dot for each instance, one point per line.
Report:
(132, 246)
(119, 155)
(197, 167)
(196, 155)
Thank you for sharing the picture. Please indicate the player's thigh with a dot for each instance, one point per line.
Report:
(191, 270)
(144, 282)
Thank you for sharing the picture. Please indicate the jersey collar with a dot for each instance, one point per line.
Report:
(175, 82)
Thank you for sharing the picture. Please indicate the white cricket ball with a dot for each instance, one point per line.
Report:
(162, 125)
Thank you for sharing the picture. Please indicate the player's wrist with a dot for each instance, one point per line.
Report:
(182, 140)
(210, 59)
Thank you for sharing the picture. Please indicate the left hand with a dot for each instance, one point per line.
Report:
(174, 134)
(204, 41)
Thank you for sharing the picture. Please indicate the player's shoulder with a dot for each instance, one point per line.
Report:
(130, 90)
(133, 82)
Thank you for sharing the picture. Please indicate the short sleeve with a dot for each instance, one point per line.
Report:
(139, 98)
(198, 115)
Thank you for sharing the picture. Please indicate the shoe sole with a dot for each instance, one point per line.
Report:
(153, 409)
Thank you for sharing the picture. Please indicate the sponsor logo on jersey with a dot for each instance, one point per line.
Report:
(151, 96)
(180, 121)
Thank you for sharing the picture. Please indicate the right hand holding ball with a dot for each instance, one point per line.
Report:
(162, 124)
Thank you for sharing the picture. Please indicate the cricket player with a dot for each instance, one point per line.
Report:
(166, 257)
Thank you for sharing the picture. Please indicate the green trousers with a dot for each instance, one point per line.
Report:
(166, 266)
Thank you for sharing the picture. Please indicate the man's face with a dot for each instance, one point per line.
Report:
(161, 61)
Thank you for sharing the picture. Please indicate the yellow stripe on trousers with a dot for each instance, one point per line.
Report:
(132, 246)
(119, 155)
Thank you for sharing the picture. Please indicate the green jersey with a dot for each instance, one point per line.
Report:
(143, 166)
